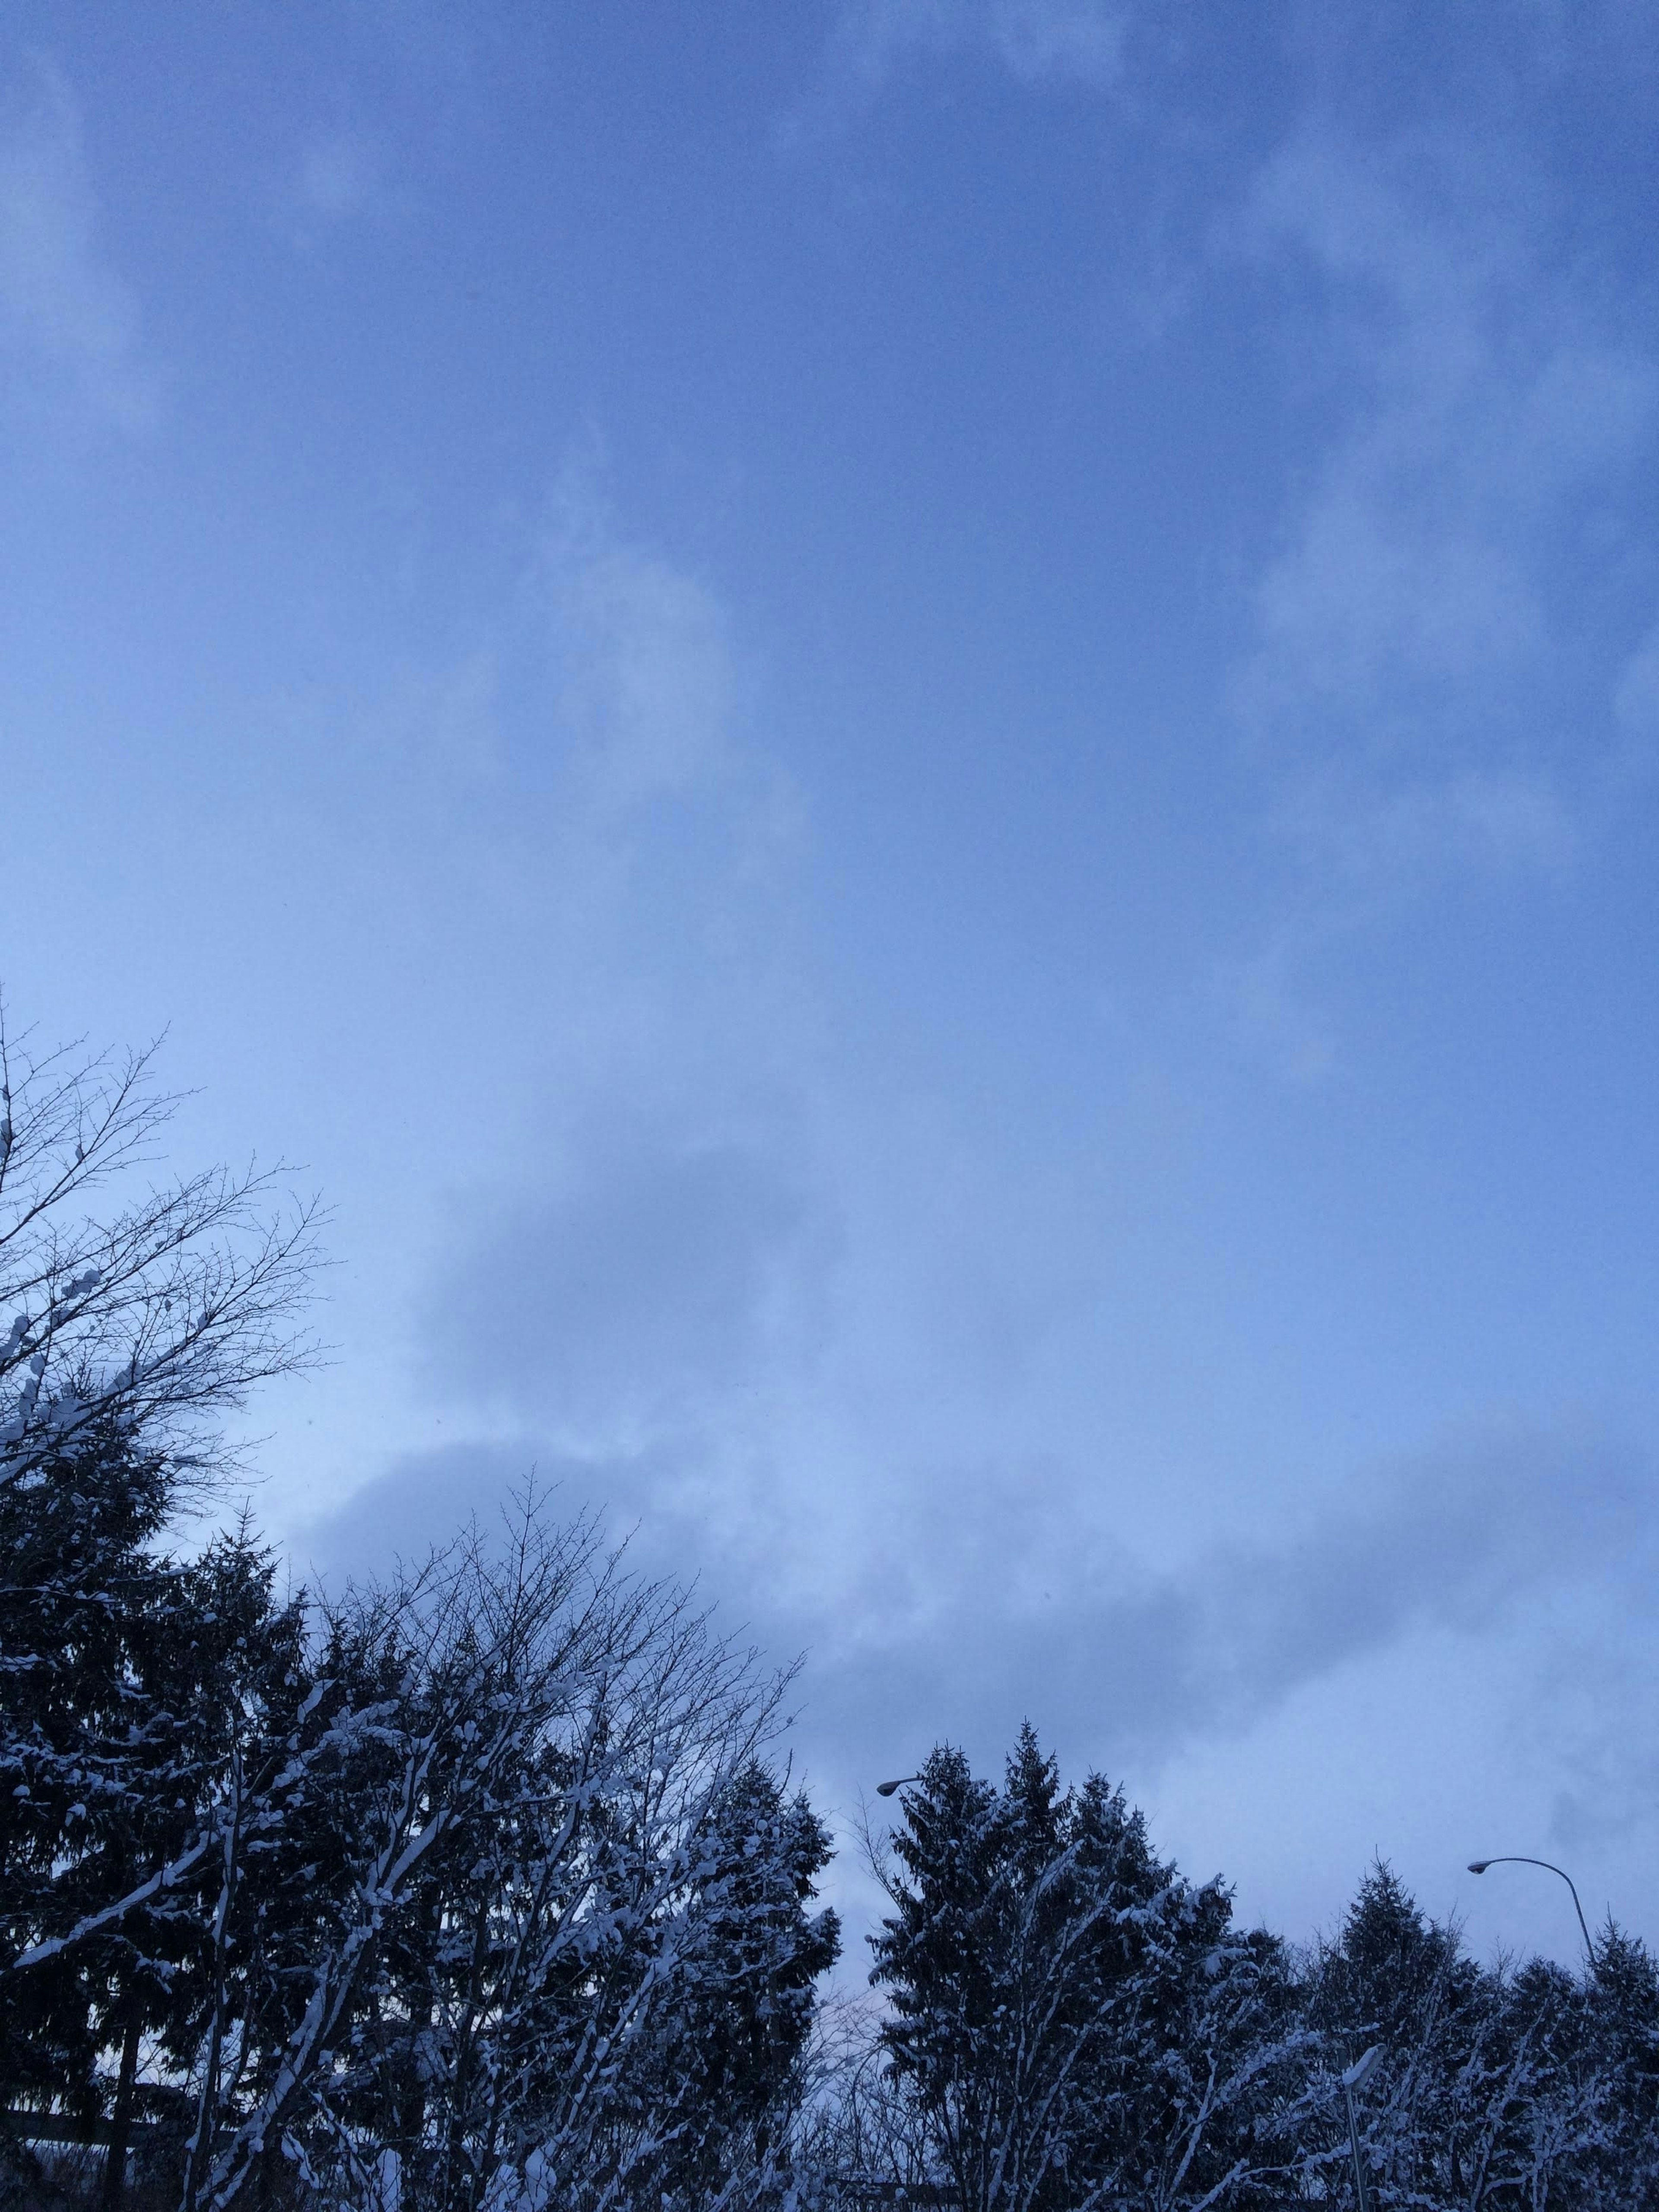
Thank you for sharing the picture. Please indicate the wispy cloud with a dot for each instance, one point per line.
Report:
(1416, 691)
(68, 325)
(640, 1283)
(338, 175)
(858, 1371)
(1489, 398)
(645, 666)
(1049, 45)
(1636, 713)
(1036, 40)
(983, 1593)
(1467, 1542)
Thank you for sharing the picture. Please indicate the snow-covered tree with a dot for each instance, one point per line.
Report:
(1393, 1979)
(727, 2054)
(1526, 2085)
(1071, 2022)
(124, 1673)
(122, 1339)
(522, 1909)
(1622, 1998)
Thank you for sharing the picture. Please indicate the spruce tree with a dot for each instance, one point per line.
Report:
(728, 2055)
(123, 1673)
(1620, 2163)
(1397, 1980)
(1071, 2021)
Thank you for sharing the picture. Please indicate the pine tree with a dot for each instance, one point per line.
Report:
(1527, 2086)
(944, 1957)
(1198, 2053)
(1620, 2163)
(122, 1669)
(1071, 2020)
(1397, 1980)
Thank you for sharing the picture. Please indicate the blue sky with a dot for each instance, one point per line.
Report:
(915, 746)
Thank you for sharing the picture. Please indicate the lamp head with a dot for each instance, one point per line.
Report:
(1479, 1866)
(886, 1789)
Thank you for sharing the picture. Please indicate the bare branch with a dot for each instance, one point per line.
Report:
(161, 1317)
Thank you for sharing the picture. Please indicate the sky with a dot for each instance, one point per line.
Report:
(915, 744)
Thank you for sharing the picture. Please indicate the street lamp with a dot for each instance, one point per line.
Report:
(1512, 1858)
(886, 1789)
(1356, 2078)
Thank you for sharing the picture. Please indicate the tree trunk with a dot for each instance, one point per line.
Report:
(120, 2123)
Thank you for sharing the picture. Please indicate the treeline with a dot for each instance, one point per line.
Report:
(473, 1887)
(1071, 2023)
(484, 1886)
(478, 1886)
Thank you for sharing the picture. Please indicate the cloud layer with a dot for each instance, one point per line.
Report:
(1123, 534)
(68, 321)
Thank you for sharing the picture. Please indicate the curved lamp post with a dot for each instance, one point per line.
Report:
(886, 1789)
(1512, 1858)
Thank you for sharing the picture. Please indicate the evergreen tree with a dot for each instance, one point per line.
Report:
(1620, 2163)
(1529, 2086)
(123, 1671)
(1393, 1979)
(1071, 2020)
(128, 1336)
(727, 2058)
(475, 1889)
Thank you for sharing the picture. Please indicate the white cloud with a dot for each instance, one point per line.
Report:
(1410, 605)
(338, 176)
(646, 669)
(1044, 45)
(1271, 1016)
(335, 180)
(68, 323)
(1473, 405)
(1371, 837)
(865, 1373)
(1036, 40)
(1635, 708)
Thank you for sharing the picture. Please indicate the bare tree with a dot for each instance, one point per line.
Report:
(517, 1907)
(135, 1312)
(158, 1318)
